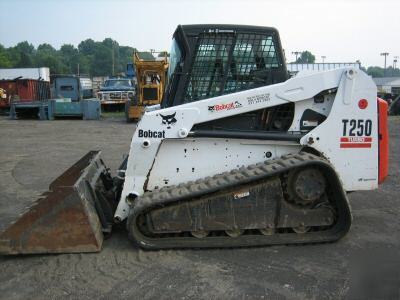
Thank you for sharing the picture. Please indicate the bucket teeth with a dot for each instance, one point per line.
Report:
(64, 219)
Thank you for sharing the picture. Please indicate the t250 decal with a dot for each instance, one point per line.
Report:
(356, 133)
(357, 127)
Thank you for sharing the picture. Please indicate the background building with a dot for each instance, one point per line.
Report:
(388, 85)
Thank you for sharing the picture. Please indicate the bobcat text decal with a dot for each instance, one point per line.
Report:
(227, 106)
(153, 134)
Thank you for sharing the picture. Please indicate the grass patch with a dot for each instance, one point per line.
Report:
(113, 114)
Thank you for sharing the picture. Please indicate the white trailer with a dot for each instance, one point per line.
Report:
(25, 73)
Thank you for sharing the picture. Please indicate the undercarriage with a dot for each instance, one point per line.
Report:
(291, 200)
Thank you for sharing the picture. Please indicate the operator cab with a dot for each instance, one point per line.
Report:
(212, 60)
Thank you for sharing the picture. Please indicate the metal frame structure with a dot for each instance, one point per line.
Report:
(214, 51)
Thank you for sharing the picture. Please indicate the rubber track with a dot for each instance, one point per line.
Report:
(271, 168)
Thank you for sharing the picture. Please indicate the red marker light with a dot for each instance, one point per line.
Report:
(363, 103)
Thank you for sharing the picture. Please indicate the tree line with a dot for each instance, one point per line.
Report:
(90, 57)
(104, 58)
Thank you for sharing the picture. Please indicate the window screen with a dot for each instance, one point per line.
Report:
(226, 63)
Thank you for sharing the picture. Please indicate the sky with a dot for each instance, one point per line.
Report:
(343, 31)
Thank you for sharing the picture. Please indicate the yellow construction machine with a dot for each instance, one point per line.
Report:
(151, 77)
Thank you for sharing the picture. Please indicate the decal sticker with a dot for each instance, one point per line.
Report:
(355, 127)
(356, 133)
(151, 134)
(366, 179)
(223, 107)
(258, 99)
(356, 142)
(168, 120)
(310, 123)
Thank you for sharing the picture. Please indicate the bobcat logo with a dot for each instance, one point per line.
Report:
(168, 120)
(222, 107)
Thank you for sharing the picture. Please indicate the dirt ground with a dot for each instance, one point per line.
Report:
(32, 153)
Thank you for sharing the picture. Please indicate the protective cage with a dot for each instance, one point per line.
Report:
(213, 60)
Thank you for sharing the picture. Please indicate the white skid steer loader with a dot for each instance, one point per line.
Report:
(237, 155)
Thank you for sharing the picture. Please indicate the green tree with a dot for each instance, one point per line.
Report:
(114, 49)
(87, 47)
(375, 71)
(4, 58)
(306, 57)
(25, 61)
(93, 58)
(47, 56)
(22, 55)
(84, 64)
(102, 61)
(25, 47)
(46, 48)
(391, 72)
(69, 57)
(109, 43)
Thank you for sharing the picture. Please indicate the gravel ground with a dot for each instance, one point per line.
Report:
(32, 153)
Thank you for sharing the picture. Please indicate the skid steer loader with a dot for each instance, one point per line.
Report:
(237, 155)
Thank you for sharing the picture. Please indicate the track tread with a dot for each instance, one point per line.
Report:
(243, 175)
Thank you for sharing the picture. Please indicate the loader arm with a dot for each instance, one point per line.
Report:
(349, 86)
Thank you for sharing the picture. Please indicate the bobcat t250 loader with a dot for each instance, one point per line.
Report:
(238, 154)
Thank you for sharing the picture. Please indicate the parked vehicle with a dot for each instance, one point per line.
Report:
(73, 97)
(73, 87)
(115, 93)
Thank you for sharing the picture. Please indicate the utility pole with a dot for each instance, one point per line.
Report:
(78, 63)
(385, 54)
(113, 59)
(323, 58)
(395, 62)
(297, 53)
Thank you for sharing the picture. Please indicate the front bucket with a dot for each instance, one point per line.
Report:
(64, 219)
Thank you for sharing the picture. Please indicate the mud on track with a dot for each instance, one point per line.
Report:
(32, 153)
